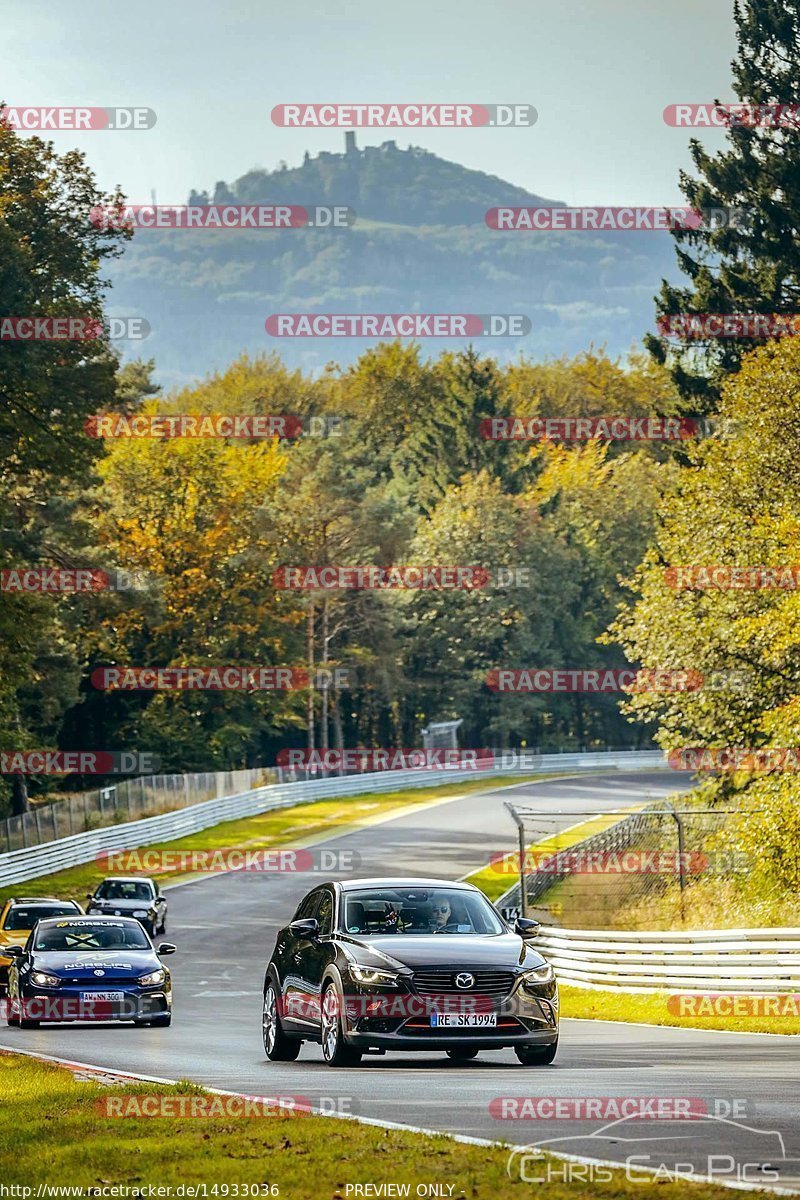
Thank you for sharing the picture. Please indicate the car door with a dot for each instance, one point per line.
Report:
(299, 1012)
(320, 950)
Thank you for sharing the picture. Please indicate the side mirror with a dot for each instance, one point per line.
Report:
(526, 928)
(90, 895)
(308, 928)
(12, 951)
(166, 948)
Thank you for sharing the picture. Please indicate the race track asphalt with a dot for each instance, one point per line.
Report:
(225, 926)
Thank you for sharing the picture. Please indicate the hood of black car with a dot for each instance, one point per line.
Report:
(490, 952)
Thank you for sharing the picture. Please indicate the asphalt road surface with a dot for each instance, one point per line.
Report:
(225, 928)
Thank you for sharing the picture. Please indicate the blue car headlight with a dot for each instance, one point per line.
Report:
(153, 977)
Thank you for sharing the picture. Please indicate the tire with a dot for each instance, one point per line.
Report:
(335, 1050)
(536, 1056)
(11, 1019)
(278, 1046)
(462, 1055)
(164, 925)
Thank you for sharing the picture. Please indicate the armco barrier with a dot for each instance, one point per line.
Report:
(709, 960)
(19, 865)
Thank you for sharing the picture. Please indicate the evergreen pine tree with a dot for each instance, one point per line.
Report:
(753, 267)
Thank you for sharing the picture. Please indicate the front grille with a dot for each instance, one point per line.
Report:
(102, 983)
(442, 982)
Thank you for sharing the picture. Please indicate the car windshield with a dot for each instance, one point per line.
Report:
(85, 935)
(379, 911)
(124, 889)
(26, 918)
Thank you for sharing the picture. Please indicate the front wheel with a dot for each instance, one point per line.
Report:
(536, 1056)
(335, 1050)
(278, 1046)
(460, 1055)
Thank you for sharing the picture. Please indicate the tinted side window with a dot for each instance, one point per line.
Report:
(307, 907)
(325, 913)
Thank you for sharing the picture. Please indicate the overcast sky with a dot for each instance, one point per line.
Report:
(599, 72)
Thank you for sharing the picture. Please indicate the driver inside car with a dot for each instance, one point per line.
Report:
(440, 913)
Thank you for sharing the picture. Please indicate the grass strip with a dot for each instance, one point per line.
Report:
(55, 1131)
(757, 1014)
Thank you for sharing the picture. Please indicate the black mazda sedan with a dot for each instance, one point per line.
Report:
(373, 965)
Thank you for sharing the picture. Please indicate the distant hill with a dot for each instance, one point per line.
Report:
(420, 243)
(382, 183)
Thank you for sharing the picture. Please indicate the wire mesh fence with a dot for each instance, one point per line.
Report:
(631, 872)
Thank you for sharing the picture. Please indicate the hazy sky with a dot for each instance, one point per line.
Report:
(600, 73)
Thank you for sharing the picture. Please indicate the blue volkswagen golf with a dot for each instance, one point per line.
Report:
(88, 969)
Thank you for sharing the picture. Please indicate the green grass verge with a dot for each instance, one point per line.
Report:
(654, 1010)
(55, 1132)
(280, 827)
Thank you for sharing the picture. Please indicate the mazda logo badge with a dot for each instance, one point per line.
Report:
(464, 980)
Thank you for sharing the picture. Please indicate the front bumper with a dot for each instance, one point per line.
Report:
(403, 1020)
(477, 1039)
(72, 1004)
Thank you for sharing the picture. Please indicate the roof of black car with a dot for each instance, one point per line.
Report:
(402, 881)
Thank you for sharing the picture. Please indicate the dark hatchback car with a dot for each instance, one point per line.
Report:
(407, 964)
(135, 897)
(89, 969)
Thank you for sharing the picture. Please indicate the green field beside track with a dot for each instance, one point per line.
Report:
(55, 1131)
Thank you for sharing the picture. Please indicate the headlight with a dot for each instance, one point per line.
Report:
(154, 977)
(42, 979)
(371, 975)
(139, 912)
(543, 974)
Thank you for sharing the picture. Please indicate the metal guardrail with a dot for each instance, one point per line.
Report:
(734, 960)
(127, 800)
(19, 865)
